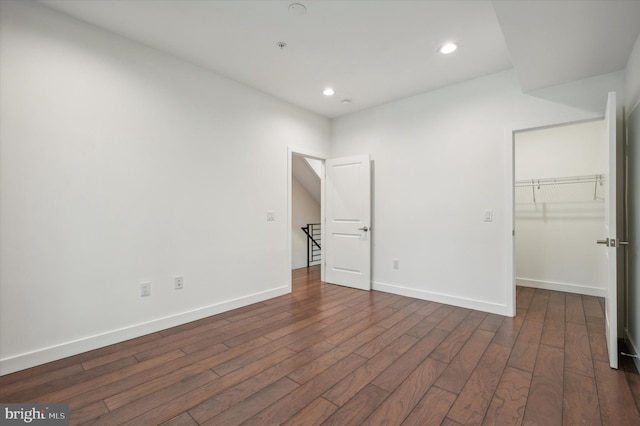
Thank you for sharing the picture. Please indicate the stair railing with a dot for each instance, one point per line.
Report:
(314, 248)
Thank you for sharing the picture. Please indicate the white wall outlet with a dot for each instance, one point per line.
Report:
(145, 289)
(396, 264)
(178, 283)
(271, 216)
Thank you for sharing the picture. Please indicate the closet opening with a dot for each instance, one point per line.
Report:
(560, 186)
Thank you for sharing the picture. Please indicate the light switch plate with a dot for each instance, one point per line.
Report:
(488, 215)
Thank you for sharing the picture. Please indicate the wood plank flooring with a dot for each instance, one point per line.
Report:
(331, 355)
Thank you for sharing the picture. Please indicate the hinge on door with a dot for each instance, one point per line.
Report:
(513, 232)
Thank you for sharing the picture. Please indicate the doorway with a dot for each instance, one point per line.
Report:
(345, 212)
(559, 211)
(509, 206)
(306, 202)
(609, 241)
(295, 155)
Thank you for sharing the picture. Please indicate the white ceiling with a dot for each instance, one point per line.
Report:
(554, 42)
(376, 51)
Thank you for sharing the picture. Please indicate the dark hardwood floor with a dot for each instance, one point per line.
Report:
(331, 355)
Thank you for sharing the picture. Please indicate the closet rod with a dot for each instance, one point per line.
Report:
(561, 180)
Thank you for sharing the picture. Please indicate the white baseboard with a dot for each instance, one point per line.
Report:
(566, 287)
(462, 302)
(41, 356)
(633, 347)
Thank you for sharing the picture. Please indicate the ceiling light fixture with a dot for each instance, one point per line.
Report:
(297, 9)
(346, 101)
(447, 48)
(328, 91)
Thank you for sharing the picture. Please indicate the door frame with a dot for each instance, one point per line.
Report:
(509, 206)
(291, 151)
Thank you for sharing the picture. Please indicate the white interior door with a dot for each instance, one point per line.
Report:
(347, 233)
(610, 238)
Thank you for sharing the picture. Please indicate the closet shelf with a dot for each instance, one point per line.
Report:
(598, 179)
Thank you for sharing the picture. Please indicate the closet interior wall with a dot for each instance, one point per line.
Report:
(560, 174)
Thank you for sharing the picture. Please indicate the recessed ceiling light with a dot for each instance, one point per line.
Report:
(328, 91)
(297, 9)
(447, 48)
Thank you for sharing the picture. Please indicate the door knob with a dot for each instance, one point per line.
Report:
(364, 228)
(605, 242)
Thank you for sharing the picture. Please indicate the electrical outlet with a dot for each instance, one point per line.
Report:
(145, 289)
(396, 264)
(178, 283)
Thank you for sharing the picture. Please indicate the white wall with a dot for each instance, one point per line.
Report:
(440, 161)
(632, 323)
(118, 165)
(556, 228)
(305, 210)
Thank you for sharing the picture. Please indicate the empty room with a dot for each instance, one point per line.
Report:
(335, 212)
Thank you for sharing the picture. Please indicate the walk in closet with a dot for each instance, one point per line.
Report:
(560, 190)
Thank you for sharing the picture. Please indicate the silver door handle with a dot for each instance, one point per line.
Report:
(364, 228)
(623, 243)
(605, 242)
